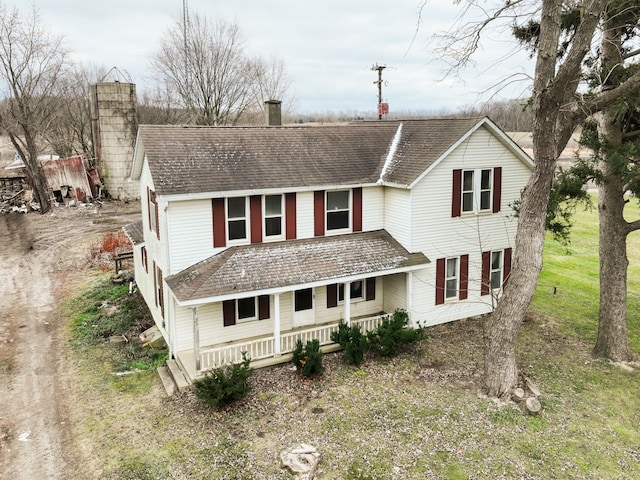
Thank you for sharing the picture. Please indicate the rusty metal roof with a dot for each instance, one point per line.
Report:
(191, 159)
(265, 266)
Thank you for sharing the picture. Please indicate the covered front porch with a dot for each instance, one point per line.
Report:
(263, 298)
(266, 350)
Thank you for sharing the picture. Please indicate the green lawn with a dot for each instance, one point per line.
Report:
(416, 416)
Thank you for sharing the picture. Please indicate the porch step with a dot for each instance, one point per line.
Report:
(178, 377)
(167, 380)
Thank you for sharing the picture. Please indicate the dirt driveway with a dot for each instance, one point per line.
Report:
(40, 261)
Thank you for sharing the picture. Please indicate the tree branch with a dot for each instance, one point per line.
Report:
(633, 226)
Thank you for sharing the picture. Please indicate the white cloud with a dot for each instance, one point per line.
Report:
(328, 47)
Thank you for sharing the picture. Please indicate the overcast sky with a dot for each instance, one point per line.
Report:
(328, 47)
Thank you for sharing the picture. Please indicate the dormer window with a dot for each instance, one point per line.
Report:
(237, 218)
(338, 211)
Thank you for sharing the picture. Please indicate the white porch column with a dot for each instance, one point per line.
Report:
(409, 291)
(196, 338)
(347, 303)
(276, 324)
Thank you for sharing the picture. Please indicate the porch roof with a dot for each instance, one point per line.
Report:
(271, 267)
(134, 232)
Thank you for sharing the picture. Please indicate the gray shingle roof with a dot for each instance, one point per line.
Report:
(256, 267)
(189, 159)
(134, 232)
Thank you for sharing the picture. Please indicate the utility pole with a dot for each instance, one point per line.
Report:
(379, 68)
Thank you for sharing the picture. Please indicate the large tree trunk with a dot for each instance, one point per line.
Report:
(501, 329)
(613, 341)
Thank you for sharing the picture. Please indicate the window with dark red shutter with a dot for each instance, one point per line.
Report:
(318, 213)
(219, 223)
(332, 295)
(255, 214)
(456, 197)
(507, 265)
(440, 277)
(357, 209)
(229, 312)
(485, 285)
(263, 307)
(497, 189)
(290, 216)
(464, 277)
(370, 289)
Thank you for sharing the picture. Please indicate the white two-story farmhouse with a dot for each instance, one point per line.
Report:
(252, 238)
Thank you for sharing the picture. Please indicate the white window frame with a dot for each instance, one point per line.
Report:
(153, 211)
(265, 217)
(499, 270)
(477, 191)
(353, 299)
(255, 310)
(455, 277)
(247, 224)
(349, 209)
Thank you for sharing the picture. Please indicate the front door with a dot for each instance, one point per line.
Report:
(303, 311)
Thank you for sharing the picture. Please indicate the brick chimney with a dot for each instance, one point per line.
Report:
(273, 109)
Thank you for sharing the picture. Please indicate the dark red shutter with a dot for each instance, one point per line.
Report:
(332, 295)
(255, 212)
(160, 293)
(263, 307)
(485, 286)
(456, 198)
(440, 265)
(219, 223)
(229, 312)
(464, 277)
(155, 282)
(497, 189)
(370, 287)
(357, 209)
(318, 213)
(155, 205)
(290, 215)
(149, 206)
(506, 268)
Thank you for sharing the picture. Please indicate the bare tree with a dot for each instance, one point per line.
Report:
(205, 63)
(558, 108)
(32, 63)
(70, 132)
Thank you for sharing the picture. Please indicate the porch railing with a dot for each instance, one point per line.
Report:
(261, 348)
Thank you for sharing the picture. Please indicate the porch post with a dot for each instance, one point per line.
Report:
(276, 324)
(409, 291)
(347, 303)
(196, 338)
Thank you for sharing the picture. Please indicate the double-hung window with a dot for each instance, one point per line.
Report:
(496, 270)
(237, 218)
(273, 224)
(338, 210)
(496, 267)
(245, 310)
(476, 191)
(451, 278)
(356, 291)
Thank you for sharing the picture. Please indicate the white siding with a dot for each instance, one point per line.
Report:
(190, 233)
(394, 292)
(397, 215)
(439, 235)
(373, 213)
(304, 214)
